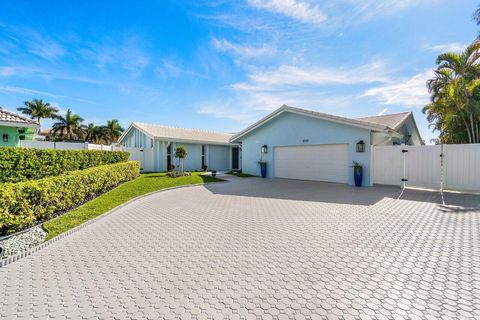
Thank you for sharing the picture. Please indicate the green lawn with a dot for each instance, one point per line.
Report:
(240, 174)
(144, 184)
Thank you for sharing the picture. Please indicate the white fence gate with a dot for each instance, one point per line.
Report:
(458, 165)
(144, 155)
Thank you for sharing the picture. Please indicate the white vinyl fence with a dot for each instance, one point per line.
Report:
(67, 145)
(456, 165)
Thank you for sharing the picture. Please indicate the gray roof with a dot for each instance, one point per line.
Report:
(13, 119)
(394, 120)
(182, 134)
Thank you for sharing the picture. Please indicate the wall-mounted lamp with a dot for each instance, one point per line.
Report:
(360, 146)
(5, 137)
(264, 149)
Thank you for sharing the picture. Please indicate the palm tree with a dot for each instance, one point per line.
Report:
(113, 130)
(69, 126)
(91, 132)
(476, 16)
(455, 92)
(37, 109)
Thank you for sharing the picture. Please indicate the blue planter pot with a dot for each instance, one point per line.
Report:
(358, 176)
(263, 169)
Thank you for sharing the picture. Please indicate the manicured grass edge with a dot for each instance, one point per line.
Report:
(240, 174)
(24, 254)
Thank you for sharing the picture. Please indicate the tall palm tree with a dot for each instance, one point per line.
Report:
(91, 132)
(476, 16)
(69, 126)
(113, 130)
(455, 92)
(37, 109)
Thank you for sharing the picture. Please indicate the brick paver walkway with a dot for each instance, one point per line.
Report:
(259, 249)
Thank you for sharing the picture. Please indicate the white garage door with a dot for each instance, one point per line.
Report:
(328, 162)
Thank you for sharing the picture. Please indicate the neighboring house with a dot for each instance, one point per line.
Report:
(158, 143)
(14, 128)
(308, 145)
(403, 123)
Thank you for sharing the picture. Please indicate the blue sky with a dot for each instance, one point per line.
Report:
(220, 65)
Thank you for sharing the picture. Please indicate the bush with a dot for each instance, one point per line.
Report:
(23, 204)
(19, 164)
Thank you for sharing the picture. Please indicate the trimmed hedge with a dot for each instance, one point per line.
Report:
(23, 204)
(22, 164)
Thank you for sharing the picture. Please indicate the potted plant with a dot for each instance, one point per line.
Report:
(181, 153)
(204, 167)
(263, 168)
(357, 173)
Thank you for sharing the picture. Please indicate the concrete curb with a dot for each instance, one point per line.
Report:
(24, 254)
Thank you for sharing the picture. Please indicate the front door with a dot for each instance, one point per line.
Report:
(235, 159)
(169, 157)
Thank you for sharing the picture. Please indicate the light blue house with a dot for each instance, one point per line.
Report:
(294, 143)
(157, 144)
(302, 144)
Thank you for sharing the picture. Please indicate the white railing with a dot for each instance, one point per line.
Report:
(68, 145)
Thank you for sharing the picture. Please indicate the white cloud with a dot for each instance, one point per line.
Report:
(173, 70)
(7, 71)
(27, 91)
(447, 47)
(307, 87)
(242, 50)
(381, 113)
(410, 92)
(299, 10)
(128, 54)
(365, 10)
(49, 74)
(43, 47)
(288, 76)
(48, 51)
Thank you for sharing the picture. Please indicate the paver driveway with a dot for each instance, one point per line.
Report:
(259, 249)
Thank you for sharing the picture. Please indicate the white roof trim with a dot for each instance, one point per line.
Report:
(130, 127)
(401, 121)
(414, 125)
(175, 140)
(313, 114)
(18, 124)
(171, 139)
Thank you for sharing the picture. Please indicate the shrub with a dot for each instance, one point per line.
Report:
(19, 164)
(23, 204)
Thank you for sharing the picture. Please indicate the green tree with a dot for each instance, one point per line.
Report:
(476, 16)
(92, 133)
(37, 109)
(112, 131)
(455, 96)
(68, 127)
(181, 153)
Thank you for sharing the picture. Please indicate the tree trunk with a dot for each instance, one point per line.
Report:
(472, 126)
(478, 132)
(467, 128)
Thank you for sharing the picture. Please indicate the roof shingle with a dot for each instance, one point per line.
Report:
(394, 120)
(7, 116)
(167, 132)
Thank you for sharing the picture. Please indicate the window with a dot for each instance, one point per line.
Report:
(5, 137)
(204, 162)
